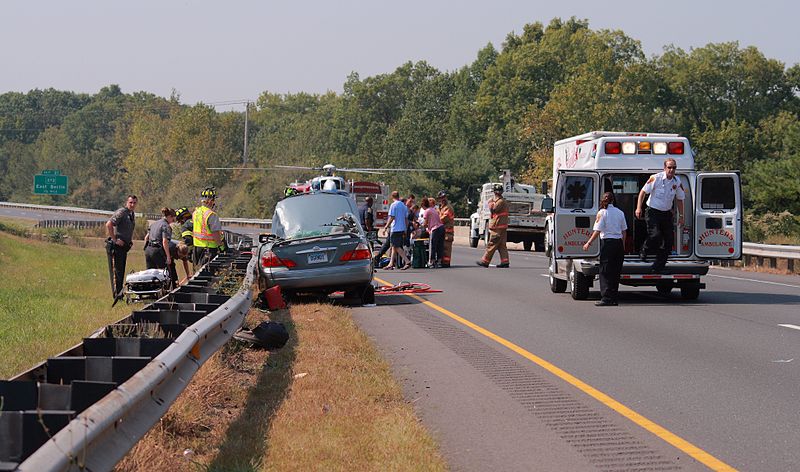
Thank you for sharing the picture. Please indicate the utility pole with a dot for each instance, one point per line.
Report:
(246, 108)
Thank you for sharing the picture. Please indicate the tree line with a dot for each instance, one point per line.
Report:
(504, 110)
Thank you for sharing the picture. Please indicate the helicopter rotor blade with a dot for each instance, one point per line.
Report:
(238, 168)
(299, 167)
(393, 169)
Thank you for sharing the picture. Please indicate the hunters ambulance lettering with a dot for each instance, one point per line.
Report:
(576, 237)
(717, 238)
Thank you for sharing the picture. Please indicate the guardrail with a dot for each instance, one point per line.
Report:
(247, 222)
(770, 254)
(103, 431)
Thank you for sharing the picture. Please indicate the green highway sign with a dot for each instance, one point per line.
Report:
(48, 184)
(51, 172)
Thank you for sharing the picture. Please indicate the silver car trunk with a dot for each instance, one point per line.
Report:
(317, 252)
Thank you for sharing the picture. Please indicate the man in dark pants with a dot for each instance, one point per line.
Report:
(663, 189)
(610, 226)
(120, 241)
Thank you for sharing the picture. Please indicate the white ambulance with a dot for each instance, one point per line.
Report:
(586, 166)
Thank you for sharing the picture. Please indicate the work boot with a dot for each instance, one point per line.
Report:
(502, 265)
(482, 264)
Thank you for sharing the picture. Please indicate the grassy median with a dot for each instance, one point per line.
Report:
(326, 401)
(51, 296)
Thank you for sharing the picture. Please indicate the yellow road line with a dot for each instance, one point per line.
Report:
(671, 438)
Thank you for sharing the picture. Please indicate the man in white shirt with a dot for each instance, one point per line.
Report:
(663, 188)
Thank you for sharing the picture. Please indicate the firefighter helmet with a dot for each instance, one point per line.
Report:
(209, 193)
(497, 188)
(181, 212)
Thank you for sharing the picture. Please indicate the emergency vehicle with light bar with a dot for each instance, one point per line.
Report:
(526, 222)
(586, 166)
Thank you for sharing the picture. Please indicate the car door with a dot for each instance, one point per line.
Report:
(575, 211)
(718, 216)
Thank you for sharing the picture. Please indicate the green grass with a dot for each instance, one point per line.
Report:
(51, 296)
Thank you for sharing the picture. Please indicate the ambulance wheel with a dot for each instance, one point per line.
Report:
(473, 241)
(579, 284)
(664, 289)
(527, 245)
(690, 293)
(486, 234)
(556, 285)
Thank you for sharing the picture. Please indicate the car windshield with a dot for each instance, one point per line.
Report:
(312, 215)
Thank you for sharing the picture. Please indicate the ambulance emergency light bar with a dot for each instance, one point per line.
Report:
(644, 147)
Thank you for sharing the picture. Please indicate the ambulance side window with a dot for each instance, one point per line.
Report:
(577, 192)
(718, 194)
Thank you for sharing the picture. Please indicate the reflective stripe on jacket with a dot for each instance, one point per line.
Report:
(499, 210)
(448, 217)
(202, 235)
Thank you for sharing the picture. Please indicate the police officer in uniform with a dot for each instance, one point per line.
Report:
(663, 189)
(498, 227)
(156, 252)
(120, 240)
(611, 227)
(206, 228)
(448, 217)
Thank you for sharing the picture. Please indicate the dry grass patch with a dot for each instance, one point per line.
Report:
(248, 410)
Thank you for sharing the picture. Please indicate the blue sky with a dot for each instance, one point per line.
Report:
(214, 51)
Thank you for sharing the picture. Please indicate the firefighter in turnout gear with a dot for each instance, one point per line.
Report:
(498, 225)
(184, 218)
(206, 228)
(448, 217)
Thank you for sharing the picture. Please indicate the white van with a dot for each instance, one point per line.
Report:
(586, 166)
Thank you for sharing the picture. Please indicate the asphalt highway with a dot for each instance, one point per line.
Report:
(718, 377)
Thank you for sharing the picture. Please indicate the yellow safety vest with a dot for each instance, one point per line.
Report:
(202, 235)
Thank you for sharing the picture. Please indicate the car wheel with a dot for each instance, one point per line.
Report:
(473, 241)
(556, 285)
(368, 295)
(527, 245)
(579, 284)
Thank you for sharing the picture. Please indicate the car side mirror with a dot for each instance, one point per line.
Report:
(547, 204)
(266, 237)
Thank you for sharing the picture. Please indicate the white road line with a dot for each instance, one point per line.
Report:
(791, 326)
(545, 275)
(754, 280)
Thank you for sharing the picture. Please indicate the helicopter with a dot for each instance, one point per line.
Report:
(329, 180)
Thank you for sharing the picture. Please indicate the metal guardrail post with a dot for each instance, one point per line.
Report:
(103, 433)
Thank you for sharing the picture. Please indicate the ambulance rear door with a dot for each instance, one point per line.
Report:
(718, 216)
(576, 207)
